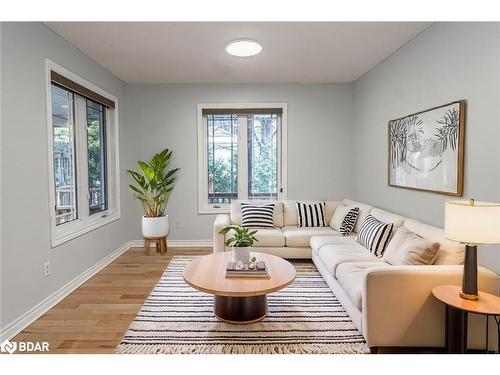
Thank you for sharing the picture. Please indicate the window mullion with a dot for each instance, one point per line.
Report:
(110, 163)
(279, 158)
(81, 157)
(204, 153)
(242, 157)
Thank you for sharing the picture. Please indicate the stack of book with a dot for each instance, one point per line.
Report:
(234, 269)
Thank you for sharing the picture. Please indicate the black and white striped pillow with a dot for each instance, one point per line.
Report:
(349, 221)
(254, 216)
(374, 235)
(311, 214)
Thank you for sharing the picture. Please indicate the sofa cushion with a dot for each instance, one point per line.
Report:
(408, 248)
(318, 241)
(388, 217)
(290, 211)
(267, 237)
(235, 211)
(296, 236)
(350, 276)
(450, 252)
(334, 254)
(364, 210)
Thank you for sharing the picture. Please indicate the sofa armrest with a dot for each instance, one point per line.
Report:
(220, 222)
(399, 309)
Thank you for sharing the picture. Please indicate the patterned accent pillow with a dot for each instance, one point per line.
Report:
(374, 235)
(311, 214)
(255, 216)
(349, 221)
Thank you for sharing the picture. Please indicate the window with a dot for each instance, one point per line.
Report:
(96, 156)
(263, 156)
(82, 136)
(240, 152)
(63, 137)
(222, 134)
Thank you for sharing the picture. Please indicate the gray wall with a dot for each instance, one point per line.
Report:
(25, 242)
(448, 61)
(319, 118)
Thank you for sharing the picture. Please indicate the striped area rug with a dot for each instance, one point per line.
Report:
(305, 317)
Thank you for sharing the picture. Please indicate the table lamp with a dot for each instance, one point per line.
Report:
(472, 223)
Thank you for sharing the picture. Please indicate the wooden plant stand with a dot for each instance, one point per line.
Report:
(160, 242)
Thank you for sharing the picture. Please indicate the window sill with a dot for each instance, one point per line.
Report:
(213, 211)
(83, 228)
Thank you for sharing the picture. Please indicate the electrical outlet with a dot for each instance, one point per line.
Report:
(179, 224)
(46, 268)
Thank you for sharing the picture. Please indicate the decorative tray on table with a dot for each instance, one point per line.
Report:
(239, 269)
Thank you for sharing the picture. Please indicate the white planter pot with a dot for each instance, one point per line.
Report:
(155, 226)
(241, 254)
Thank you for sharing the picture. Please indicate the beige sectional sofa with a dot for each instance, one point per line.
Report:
(392, 306)
(285, 239)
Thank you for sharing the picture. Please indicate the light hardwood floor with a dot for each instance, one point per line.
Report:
(94, 318)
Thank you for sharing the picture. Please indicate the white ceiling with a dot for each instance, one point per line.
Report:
(193, 52)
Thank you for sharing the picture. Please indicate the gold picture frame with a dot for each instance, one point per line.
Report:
(426, 150)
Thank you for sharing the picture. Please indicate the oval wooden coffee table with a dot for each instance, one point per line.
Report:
(238, 300)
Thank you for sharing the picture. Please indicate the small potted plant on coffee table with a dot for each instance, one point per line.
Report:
(241, 243)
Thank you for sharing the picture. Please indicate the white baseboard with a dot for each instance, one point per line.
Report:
(177, 243)
(17, 325)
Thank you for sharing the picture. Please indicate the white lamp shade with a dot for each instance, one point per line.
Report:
(472, 223)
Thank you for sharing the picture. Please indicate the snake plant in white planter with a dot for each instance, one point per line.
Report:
(154, 185)
(241, 243)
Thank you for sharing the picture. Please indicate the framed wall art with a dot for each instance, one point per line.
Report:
(426, 150)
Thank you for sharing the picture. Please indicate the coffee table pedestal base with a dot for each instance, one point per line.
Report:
(240, 310)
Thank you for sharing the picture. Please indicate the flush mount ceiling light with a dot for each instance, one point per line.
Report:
(243, 47)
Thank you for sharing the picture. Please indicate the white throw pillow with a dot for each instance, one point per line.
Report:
(408, 248)
(338, 216)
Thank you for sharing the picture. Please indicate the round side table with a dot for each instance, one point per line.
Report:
(457, 310)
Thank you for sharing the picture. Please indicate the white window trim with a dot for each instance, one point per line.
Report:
(85, 223)
(203, 207)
